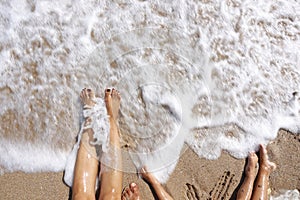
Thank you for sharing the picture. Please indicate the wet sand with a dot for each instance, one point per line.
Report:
(194, 177)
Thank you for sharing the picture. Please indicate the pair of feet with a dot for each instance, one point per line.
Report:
(112, 101)
(265, 164)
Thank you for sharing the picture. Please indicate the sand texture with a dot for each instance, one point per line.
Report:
(194, 177)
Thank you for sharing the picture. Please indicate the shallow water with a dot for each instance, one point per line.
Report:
(220, 75)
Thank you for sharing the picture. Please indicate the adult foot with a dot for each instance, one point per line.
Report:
(131, 192)
(265, 164)
(251, 164)
(87, 96)
(112, 101)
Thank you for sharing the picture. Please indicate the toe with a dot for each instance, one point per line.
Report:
(272, 166)
(126, 193)
(107, 93)
(134, 187)
(90, 93)
(114, 92)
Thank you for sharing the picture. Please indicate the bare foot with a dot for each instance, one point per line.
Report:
(251, 164)
(265, 164)
(147, 176)
(87, 96)
(112, 101)
(131, 193)
(159, 191)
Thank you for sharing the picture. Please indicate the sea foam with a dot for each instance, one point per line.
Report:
(219, 75)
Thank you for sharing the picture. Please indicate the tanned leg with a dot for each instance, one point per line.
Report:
(131, 193)
(111, 178)
(86, 167)
(160, 192)
(246, 188)
(260, 191)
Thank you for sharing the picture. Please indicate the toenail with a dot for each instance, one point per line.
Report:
(89, 90)
(107, 90)
(133, 184)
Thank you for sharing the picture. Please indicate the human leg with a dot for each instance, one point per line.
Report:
(160, 192)
(246, 188)
(111, 178)
(262, 181)
(86, 166)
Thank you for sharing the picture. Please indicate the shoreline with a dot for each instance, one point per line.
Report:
(189, 180)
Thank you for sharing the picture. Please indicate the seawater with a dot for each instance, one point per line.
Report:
(217, 75)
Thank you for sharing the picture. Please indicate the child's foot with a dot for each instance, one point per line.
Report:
(265, 164)
(131, 193)
(112, 101)
(251, 165)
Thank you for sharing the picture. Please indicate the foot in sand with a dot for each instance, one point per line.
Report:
(147, 176)
(245, 191)
(260, 190)
(158, 189)
(265, 165)
(251, 166)
(131, 192)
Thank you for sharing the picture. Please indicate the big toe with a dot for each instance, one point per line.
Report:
(131, 193)
(108, 92)
(134, 188)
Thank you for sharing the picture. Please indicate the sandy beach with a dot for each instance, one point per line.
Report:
(194, 177)
(179, 66)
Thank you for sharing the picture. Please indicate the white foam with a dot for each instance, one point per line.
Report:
(202, 69)
(99, 122)
(30, 157)
(287, 195)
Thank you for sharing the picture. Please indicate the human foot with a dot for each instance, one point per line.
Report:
(131, 193)
(87, 97)
(265, 164)
(88, 100)
(147, 176)
(158, 189)
(112, 101)
(251, 164)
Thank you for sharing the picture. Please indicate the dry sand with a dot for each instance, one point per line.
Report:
(194, 177)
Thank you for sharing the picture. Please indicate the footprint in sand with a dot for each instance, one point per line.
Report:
(221, 189)
(193, 193)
